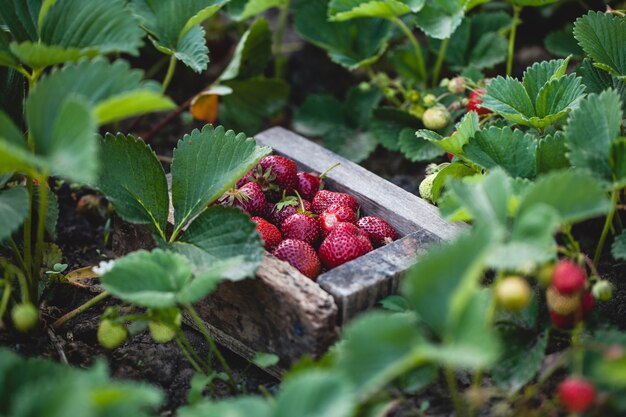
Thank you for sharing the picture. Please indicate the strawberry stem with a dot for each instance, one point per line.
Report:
(325, 173)
(300, 202)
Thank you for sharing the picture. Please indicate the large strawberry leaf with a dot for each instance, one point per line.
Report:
(206, 164)
(252, 53)
(244, 9)
(339, 10)
(596, 81)
(174, 27)
(562, 43)
(66, 30)
(133, 180)
(352, 44)
(221, 239)
(512, 150)
(241, 406)
(417, 149)
(14, 207)
(543, 97)
(551, 153)
(454, 143)
(603, 36)
(591, 133)
(618, 249)
(439, 19)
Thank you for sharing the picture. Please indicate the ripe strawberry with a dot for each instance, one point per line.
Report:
(285, 208)
(309, 183)
(345, 243)
(248, 198)
(568, 277)
(576, 394)
(378, 230)
(513, 293)
(300, 255)
(562, 304)
(301, 226)
(475, 101)
(564, 322)
(275, 174)
(324, 199)
(333, 215)
(587, 302)
(269, 233)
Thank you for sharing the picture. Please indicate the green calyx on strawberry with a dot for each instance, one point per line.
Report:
(513, 293)
(25, 316)
(309, 183)
(324, 199)
(269, 233)
(333, 215)
(576, 394)
(345, 243)
(379, 231)
(111, 334)
(300, 255)
(249, 198)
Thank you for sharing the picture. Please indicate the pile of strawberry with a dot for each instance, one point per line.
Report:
(300, 223)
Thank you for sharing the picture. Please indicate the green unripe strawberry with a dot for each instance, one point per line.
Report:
(456, 85)
(25, 316)
(430, 100)
(436, 117)
(602, 290)
(513, 293)
(161, 332)
(426, 187)
(544, 275)
(111, 334)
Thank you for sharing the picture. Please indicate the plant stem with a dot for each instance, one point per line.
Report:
(509, 62)
(17, 253)
(418, 51)
(68, 316)
(170, 73)
(185, 341)
(440, 57)
(198, 321)
(6, 294)
(189, 358)
(607, 226)
(42, 214)
(454, 391)
(28, 232)
(279, 59)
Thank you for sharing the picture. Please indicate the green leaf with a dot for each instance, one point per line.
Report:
(541, 73)
(618, 249)
(562, 42)
(532, 3)
(508, 98)
(387, 123)
(417, 149)
(352, 44)
(12, 94)
(590, 132)
(602, 36)
(551, 153)
(405, 62)
(315, 393)
(465, 130)
(557, 97)
(574, 194)
(340, 10)
(351, 144)
(221, 239)
(521, 359)
(439, 19)
(244, 9)
(132, 103)
(439, 289)
(206, 164)
(174, 27)
(512, 150)
(359, 105)
(232, 407)
(251, 102)
(318, 115)
(20, 17)
(453, 170)
(149, 279)
(264, 360)
(252, 53)
(596, 81)
(133, 180)
(378, 348)
(14, 205)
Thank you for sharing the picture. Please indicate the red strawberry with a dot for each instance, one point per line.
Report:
(577, 394)
(564, 322)
(300, 255)
(269, 233)
(586, 303)
(335, 214)
(324, 199)
(301, 226)
(475, 101)
(249, 198)
(286, 207)
(275, 174)
(568, 277)
(345, 243)
(309, 183)
(378, 230)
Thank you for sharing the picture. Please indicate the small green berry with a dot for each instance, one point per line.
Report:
(513, 293)
(544, 275)
(426, 187)
(413, 96)
(25, 316)
(111, 334)
(364, 86)
(436, 117)
(389, 92)
(161, 332)
(430, 100)
(457, 85)
(602, 290)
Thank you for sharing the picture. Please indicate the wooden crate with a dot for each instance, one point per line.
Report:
(285, 313)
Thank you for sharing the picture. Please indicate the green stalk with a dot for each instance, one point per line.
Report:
(440, 57)
(6, 294)
(605, 229)
(42, 214)
(279, 59)
(170, 73)
(28, 232)
(198, 321)
(418, 51)
(509, 62)
(454, 391)
(189, 358)
(185, 341)
(68, 316)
